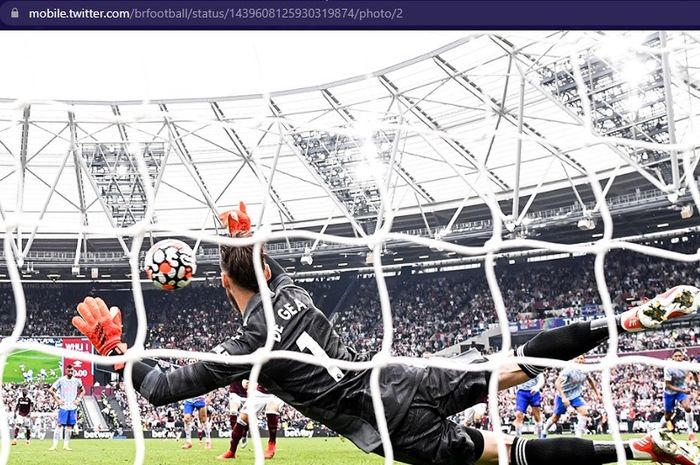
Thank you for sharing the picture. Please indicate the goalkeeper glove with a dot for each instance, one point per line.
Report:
(102, 326)
(236, 220)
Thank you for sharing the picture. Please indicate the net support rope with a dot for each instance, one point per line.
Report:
(375, 241)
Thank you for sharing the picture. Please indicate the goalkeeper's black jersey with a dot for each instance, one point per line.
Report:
(340, 399)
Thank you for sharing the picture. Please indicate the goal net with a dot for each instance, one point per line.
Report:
(464, 140)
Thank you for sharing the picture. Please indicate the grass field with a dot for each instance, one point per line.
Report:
(31, 360)
(290, 451)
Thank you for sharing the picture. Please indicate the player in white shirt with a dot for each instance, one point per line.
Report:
(569, 387)
(529, 395)
(200, 405)
(67, 391)
(677, 391)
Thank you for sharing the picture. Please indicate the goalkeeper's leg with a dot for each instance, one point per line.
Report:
(657, 446)
(578, 338)
(423, 437)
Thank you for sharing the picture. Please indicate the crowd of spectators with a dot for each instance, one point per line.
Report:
(108, 413)
(430, 312)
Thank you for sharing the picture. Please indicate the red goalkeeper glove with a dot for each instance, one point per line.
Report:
(236, 220)
(101, 325)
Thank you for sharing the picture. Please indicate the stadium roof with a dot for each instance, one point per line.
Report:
(449, 120)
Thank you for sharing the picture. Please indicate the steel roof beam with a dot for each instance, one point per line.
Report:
(670, 116)
(277, 112)
(405, 175)
(105, 209)
(184, 155)
(26, 112)
(519, 149)
(526, 60)
(46, 203)
(120, 126)
(500, 115)
(78, 177)
(527, 129)
(247, 157)
(429, 121)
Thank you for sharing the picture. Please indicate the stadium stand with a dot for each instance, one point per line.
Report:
(431, 312)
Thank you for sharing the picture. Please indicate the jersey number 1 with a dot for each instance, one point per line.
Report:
(305, 341)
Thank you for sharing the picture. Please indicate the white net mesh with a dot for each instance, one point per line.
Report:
(288, 136)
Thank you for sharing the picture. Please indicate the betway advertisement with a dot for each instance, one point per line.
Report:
(83, 369)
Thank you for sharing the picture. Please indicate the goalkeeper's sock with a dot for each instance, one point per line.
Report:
(572, 451)
(563, 343)
(273, 420)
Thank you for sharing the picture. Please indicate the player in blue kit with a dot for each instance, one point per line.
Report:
(529, 396)
(676, 391)
(200, 405)
(569, 387)
(67, 392)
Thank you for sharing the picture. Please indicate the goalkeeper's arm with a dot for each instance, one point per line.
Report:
(189, 381)
(103, 327)
(202, 377)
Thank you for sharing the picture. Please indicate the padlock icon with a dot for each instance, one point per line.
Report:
(14, 13)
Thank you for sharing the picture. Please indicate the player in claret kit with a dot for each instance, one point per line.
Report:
(23, 417)
(417, 399)
(237, 393)
(241, 404)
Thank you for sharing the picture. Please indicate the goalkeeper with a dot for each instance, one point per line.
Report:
(417, 400)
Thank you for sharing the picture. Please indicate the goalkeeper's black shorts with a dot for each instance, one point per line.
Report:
(426, 436)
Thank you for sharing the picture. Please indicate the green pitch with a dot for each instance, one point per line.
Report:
(31, 360)
(290, 451)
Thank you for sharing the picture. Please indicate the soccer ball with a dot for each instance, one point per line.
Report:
(170, 264)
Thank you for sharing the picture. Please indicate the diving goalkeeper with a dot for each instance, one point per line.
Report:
(417, 400)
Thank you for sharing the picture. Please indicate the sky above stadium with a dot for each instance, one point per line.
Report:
(117, 65)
